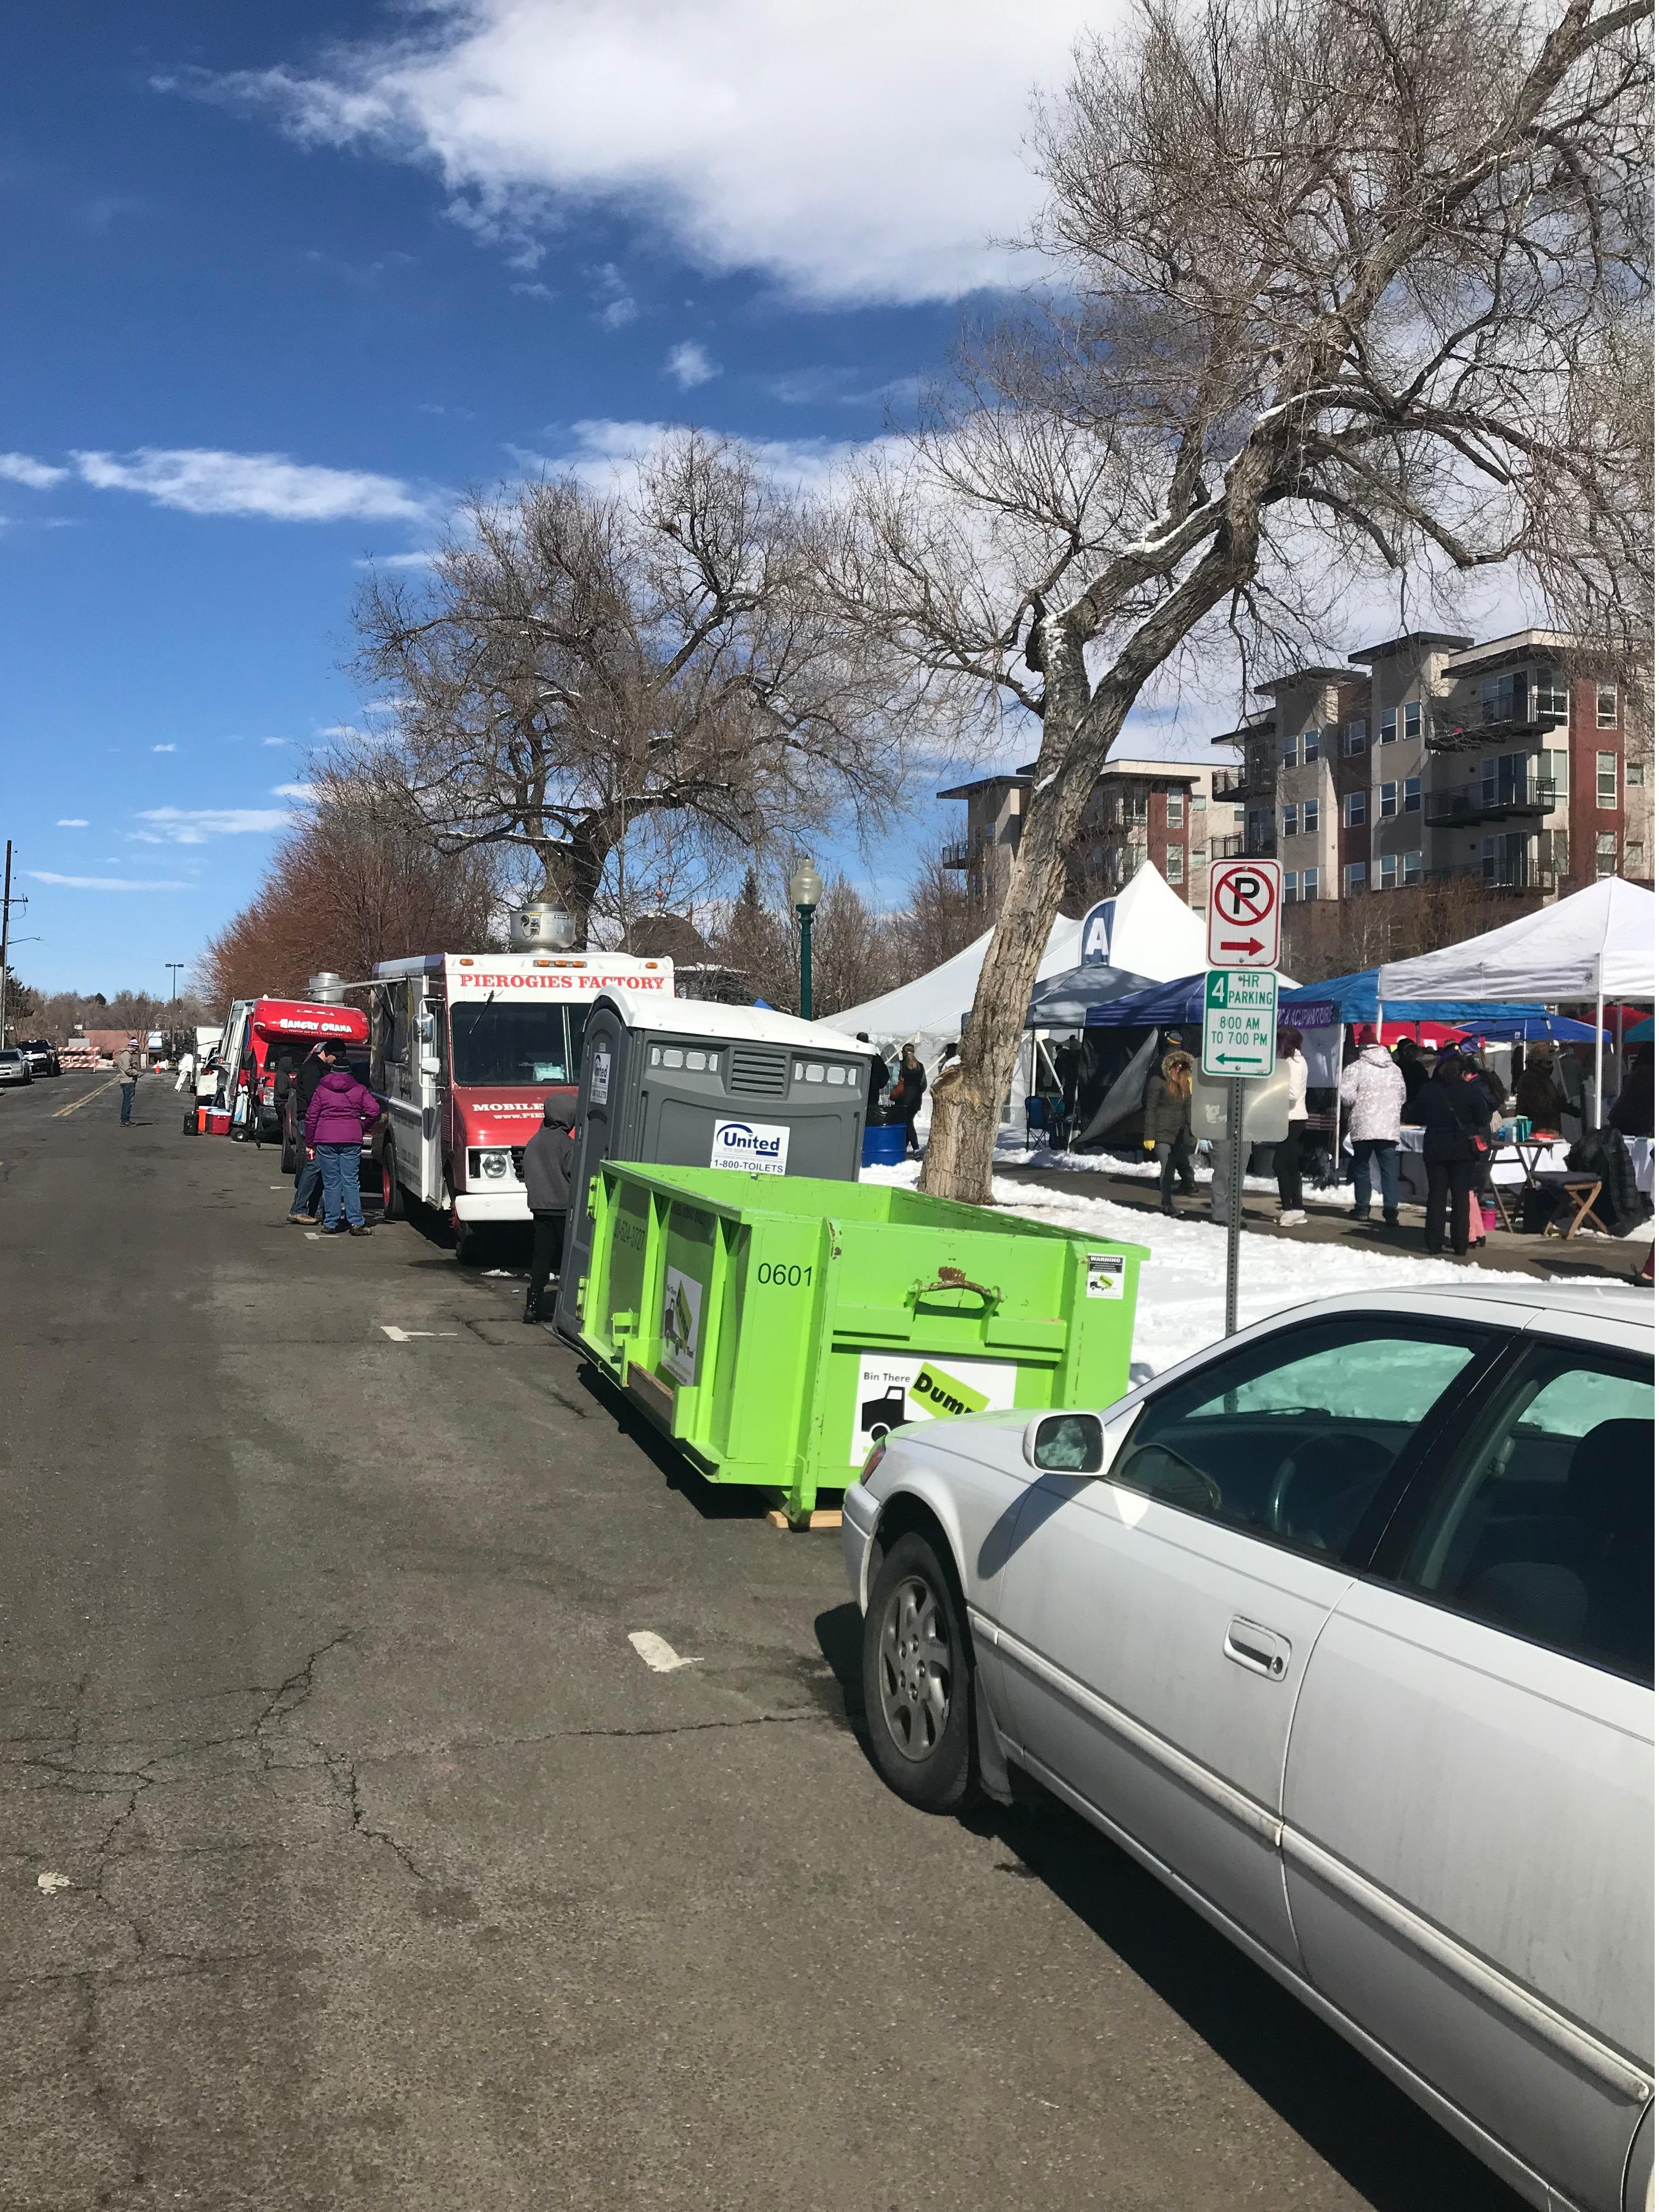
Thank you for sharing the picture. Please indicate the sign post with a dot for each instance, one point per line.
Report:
(1241, 1014)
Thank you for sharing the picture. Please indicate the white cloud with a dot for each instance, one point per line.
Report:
(294, 791)
(276, 741)
(620, 307)
(24, 469)
(164, 748)
(73, 821)
(690, 365)
(194, 825)
(862, 151)
(198, 480)
(604, 452)
(106, 882)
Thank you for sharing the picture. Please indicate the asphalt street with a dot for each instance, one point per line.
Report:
(353, 1854)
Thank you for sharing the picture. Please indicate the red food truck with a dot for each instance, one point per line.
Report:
(258, 1033)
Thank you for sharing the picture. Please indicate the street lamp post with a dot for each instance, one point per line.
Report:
(172, 967)
(805, 890)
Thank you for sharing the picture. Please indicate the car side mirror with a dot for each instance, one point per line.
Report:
(430, 1064)
(1066, 1444)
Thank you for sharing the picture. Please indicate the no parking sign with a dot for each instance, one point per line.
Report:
(1245, 910)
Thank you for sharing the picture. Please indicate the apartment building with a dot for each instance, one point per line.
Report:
(1431, 758)
(1162, 810)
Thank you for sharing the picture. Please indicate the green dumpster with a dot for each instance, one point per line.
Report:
(776, 1327)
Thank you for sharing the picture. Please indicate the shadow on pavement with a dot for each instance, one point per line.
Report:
(715, 1501)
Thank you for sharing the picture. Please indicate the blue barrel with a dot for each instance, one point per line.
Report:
(884, 1148)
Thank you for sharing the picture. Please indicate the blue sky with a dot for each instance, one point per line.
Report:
(280, 281)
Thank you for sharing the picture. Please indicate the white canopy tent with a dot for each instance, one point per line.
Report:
(928, 1012)
(1596, 945)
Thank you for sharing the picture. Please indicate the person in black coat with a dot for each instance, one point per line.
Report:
(296, 1104)
(549, 1162)
(1455, 1111)
(881, 1075)
(1408, 1059)
(908, 1089)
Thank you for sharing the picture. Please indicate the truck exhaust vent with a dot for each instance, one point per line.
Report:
(326, 989)
(759, 1072)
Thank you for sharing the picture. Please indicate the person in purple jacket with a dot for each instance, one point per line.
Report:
(340, 1110)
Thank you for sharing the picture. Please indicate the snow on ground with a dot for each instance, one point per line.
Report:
(1180, 1304)
(1144, 1168)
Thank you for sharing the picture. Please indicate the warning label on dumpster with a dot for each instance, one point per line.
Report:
(1107, 1272)
(893, 1391)
(682, 1319)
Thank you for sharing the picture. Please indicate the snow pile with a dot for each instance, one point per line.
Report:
(1181, 1306)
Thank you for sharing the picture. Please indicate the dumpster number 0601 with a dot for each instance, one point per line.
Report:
(781, 1276)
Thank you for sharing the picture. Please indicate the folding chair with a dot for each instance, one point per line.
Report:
(1582, 1192)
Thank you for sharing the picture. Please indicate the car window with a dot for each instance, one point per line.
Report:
(1542, 1524)
(1292, 1436)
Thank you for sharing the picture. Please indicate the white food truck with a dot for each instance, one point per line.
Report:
(466, 1048)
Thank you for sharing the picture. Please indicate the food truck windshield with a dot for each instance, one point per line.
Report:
(510, 1042)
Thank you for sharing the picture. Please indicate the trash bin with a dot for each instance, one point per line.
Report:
(884, 1147)
(775, 1328)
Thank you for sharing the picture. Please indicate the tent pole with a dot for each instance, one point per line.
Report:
(1596, 1094)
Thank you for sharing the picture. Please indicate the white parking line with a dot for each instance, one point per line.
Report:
(658, 1653)
(407, 1335)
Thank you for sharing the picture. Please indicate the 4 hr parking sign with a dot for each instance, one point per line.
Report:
(1241, 1021)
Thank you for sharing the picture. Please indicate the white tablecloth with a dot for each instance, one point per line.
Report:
(1507, 1169)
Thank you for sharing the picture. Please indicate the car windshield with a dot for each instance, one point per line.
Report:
(511, 1043)
(11, 1052)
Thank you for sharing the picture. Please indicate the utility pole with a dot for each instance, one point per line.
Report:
(173, 968)
(5, 940)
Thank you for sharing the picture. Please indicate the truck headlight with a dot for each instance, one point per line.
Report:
(493, 1164)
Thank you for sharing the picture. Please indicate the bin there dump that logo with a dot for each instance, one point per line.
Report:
(891, 1392)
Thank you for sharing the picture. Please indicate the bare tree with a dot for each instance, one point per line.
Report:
(352, 883)
(855, 954)
(1340, 279)
(941, 918)
(607, 684)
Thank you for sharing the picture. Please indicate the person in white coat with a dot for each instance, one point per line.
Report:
(1287, 1158)
(1374, 1093)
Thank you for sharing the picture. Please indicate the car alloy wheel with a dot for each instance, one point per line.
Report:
(913, 1670)
(919, 1684)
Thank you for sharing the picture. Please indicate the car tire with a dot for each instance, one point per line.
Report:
(919, 1681)
(392, 1191)
(467, 1251)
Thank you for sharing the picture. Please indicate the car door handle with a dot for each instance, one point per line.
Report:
(1248, 1644)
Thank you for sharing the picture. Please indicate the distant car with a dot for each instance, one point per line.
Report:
(42, 1055)
(15, 1064)
(1344, 1628)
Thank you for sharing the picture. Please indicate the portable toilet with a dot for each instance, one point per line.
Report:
(691, 1084)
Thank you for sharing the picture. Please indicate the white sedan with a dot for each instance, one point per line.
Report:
(1345, 1629)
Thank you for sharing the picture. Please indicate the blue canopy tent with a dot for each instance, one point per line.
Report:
(1165, 1006)
(1353, 998)
(1064, 1002)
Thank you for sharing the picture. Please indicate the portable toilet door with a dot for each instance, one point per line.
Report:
(692, 1083)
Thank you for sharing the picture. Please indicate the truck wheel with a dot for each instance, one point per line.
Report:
(919, 1681)
(467, 1253)
(392, 1191)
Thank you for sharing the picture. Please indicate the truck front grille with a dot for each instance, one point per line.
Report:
(759, 1072)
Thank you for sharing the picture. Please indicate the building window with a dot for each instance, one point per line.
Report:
(1388, 872)
(1388, 800)
(1633, 858)
(1354, 809)
(1310, 745)
(1353, 737)
(1552, 777)
(1413, 715)
(1292, 748)
(1636, 773)
(1353, 878)
(1172, 810)
(1201, 797)
(1413, 794)
(1412, 872)
(1607, 705)
(1551, 694)
(1385, 729)
(1290, 886)
(1309, 882)
(1290, 821)
(1607, 779)
(1174, 863)
(1309, 816)
(1238, 814)
(1607, 853)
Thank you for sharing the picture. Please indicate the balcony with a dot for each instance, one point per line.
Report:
(1443, 735)
(1226, 848)
(1514, 873)
(954, 855)
(1251, 781)
(1453, 809)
